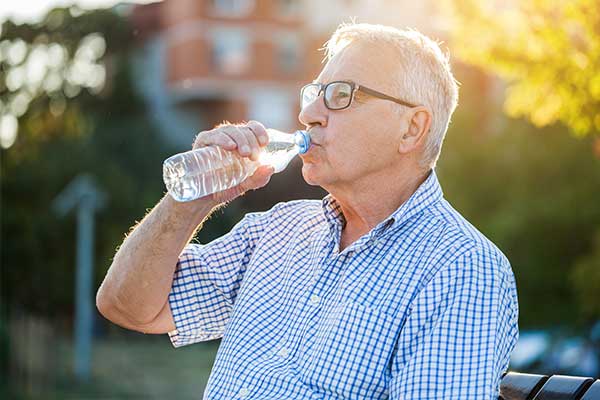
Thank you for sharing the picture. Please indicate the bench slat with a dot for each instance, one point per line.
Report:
(562, 387)
(518, 386)
(593, 393)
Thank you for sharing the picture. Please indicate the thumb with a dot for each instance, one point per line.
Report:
(260, 178)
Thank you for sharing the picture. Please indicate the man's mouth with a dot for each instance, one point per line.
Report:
(309, 155)
(314, 137)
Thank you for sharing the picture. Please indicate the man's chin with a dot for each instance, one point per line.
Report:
(309, 174)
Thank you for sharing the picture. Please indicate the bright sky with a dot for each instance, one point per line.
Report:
(32, 10)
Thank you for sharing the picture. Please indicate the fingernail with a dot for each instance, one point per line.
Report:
(245, 149)
(262, 140)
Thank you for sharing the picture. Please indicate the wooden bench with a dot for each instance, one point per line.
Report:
(518, 386)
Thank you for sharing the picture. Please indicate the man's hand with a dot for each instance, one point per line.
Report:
(247, 139)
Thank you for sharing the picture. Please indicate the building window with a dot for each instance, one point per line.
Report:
(230, 51)
(289, 8)
(232, 8)
(288, 53)
(273, 107)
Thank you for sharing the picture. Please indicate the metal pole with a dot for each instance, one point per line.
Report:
(83, 289)
(81, 193)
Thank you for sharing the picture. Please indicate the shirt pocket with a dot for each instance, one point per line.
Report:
(349, 354)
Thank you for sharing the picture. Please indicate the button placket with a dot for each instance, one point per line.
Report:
(319, 260)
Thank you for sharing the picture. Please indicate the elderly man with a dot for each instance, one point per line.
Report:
(379, 291)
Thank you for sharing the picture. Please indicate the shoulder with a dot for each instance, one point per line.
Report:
(284, 213)
(463, 234)
(470, 254)
(474, 270)
(298, 207)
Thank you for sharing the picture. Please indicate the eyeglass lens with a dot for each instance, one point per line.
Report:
(337, 95)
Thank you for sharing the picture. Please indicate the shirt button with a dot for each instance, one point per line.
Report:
(283, 352)
(314, 299)
(243, 392)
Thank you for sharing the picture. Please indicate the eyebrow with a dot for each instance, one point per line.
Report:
(334, 80)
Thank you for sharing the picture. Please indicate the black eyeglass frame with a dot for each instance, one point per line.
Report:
(354, 88)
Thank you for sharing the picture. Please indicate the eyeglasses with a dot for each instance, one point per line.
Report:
(338, 95)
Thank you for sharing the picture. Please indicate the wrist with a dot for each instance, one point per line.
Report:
(193, 210)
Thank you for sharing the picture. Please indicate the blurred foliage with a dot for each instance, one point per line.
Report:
(535, 193)
(55, 71)
(586, 277)
(547, 51)
(76, 125)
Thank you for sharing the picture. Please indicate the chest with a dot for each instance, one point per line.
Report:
(325, 313)
(330, 266)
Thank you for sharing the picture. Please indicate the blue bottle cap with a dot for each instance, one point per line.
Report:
(302, 140)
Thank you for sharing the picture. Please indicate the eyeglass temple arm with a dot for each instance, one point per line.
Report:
(383, 96)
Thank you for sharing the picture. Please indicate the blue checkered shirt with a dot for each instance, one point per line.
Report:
(421, 307)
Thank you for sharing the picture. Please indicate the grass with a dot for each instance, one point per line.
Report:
(132, 366)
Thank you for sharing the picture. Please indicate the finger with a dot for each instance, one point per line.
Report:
(254, 148)
(259, 131)
(253, 142)
(224, 141)
(240, 140)
(212, 138)
(260, 178)
(200, 139)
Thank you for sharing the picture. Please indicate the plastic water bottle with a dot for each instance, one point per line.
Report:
(200, 172)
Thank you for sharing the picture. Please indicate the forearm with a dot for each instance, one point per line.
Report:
(139, 280)
(135, 292)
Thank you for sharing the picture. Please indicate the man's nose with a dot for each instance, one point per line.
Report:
(314, 113)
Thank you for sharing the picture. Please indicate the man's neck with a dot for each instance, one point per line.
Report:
(365, 204)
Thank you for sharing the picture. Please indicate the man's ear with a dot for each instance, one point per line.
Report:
(419, 124)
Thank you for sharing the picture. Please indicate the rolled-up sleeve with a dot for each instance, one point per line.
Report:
(207, 279)
(462, 327)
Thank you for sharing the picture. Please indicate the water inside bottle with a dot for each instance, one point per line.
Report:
(278, 154)
(200, 172)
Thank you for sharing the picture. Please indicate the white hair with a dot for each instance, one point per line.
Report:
(424, 76)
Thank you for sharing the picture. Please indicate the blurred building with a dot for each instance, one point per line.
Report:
(201, 62)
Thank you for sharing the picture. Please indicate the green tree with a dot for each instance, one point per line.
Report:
(548, 52)
(586, 279)
(67, 80)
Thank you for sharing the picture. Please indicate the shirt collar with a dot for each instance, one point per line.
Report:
(427, 194)
(333, 211)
